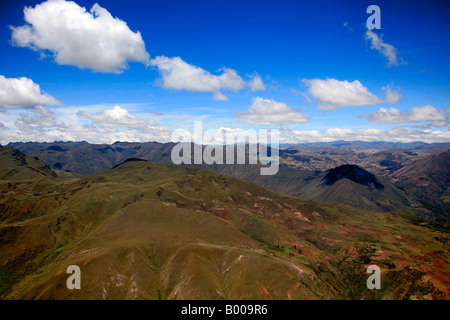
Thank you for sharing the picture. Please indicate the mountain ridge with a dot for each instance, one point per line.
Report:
(158, 231)
(295, 176)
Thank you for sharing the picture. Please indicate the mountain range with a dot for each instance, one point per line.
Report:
(302, 170)
(145, 230)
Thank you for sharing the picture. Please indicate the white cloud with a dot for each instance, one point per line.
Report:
(2, 126)
(23, 93)
(42, 124)
(416, 114)
(91, 134)
(42, 118)
(399, 134)
(389, 51)
(219, 97)
(265, 111)
(256, 83)
(93, 40)
(440, 123)
(333, 94)
(179, 75)
(116, 117)
(392, 96)
(95, 134)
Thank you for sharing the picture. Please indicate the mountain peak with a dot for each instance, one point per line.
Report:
(130, 160)
(354, 173)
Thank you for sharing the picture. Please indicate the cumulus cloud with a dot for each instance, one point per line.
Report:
(176, 74)
(116, 117)
(92, 134)
(392, 96)
(42, 124)
(269, 111)
(399, 134)
(219, 97)
(256, 83)
(23, 93)
(94, 40)
(41, 118)
(416, 114)
(2, 126)
(443, 123)
(389, 51)
(333, 94)
(440, 123)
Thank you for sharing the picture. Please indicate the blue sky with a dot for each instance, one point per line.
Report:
(323, 75)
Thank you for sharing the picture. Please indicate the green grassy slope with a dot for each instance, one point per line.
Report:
(14, 165)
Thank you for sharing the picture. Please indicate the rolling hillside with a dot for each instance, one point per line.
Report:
(17, 166)
(429, 180)
(344, 184)
(302, 171)
(156, 231)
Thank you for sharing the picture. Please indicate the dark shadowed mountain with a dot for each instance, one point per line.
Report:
(353, 173)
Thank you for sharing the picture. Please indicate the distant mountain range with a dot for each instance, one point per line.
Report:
(83, 159)
(376, 145)
(145, 230)
(69, 156)
(302, 172)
